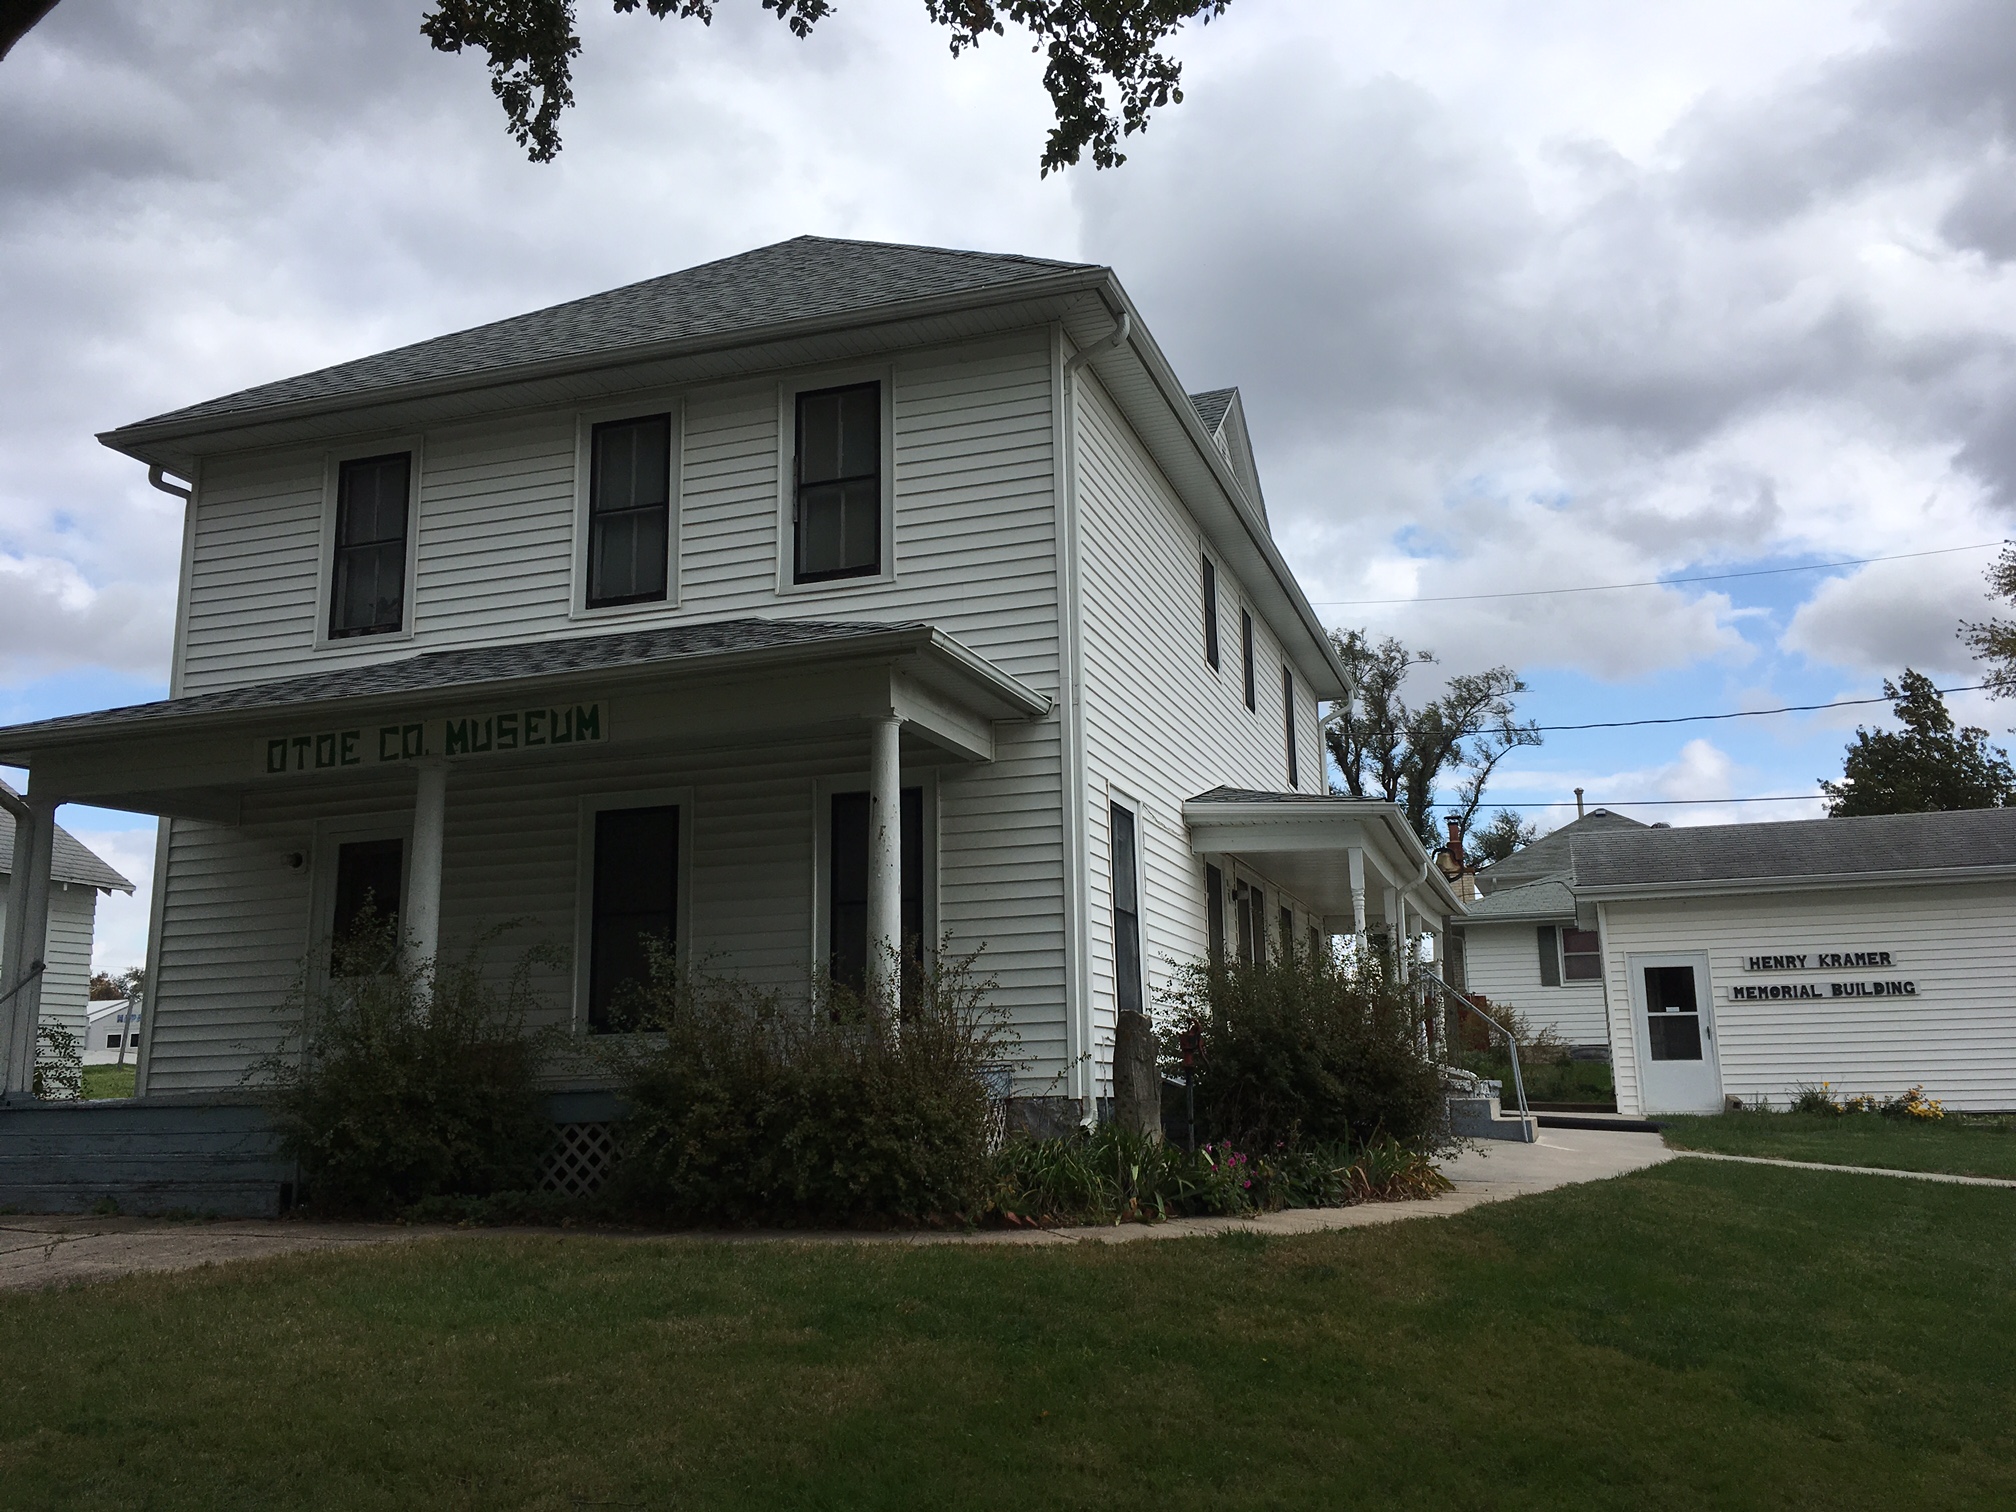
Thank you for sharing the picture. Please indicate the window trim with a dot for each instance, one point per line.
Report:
(640, 407)
(823, 788)
(325, 565)
(586, 808)
(1248, 669)
(787, 476)
(1208, 586)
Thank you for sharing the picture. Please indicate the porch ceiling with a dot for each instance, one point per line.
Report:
(1304, 842)
(682, 686)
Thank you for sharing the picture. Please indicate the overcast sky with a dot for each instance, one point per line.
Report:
(1522, 295)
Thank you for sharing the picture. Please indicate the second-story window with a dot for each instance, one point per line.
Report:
(1288, 725)
(367, 593)
(836, 512)
(629, 511)
(1246, 655)
(1210, 615)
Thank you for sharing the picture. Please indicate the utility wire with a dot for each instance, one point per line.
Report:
(1712, 577)
(1839, 703)
(1594, 803)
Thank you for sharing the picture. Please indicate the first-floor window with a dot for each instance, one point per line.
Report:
(1287, 930)
(847, 886)
(1214, 912)
(1249, 906)
(369, 875)
(1581, 956)
(1126, 911)
(635, 904)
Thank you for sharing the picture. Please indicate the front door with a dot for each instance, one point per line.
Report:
(1675, 1024)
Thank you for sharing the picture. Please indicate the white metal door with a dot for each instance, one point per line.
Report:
(1673, 1015)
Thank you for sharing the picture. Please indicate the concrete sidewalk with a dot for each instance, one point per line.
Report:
(38, 1250)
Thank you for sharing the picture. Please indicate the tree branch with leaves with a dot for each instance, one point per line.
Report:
(1386, 749)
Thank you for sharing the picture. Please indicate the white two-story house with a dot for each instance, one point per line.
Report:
(826, 596)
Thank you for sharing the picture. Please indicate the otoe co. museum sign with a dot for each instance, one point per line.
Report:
(365, 745)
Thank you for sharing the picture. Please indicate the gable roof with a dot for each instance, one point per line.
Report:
(1552, 855)
(1797, 849)
(1211, 406)
(1223, 414)
(1548, 899)
(70, 860)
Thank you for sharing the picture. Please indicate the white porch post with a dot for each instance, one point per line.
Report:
(1356, 857)
(1403, 944)
(27, 939)
(422, 915)
(885, 860)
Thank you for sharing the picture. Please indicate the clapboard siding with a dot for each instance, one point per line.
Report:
(1502, 962)
(1159, 724)
(66, 984)
(1957, 1036)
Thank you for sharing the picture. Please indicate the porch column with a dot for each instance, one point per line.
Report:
(422, 922)
(27, 939)
(885, 860)
(1403, 944)
(1356, 858)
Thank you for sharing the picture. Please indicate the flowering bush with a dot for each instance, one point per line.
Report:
(1820, 1099)
(59, 1063)
(1913, 1103)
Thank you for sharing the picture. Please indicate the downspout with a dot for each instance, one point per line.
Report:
(1109, 342)
(158, 479)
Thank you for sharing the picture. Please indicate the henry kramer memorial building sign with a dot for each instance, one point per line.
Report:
(1823, 960)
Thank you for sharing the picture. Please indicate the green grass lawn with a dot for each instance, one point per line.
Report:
(1961, 1144)
(108, 1081)
(1692, 1336)
(1560, 1082)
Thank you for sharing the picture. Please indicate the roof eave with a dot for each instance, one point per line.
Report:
(1818, 881)
(138, 440)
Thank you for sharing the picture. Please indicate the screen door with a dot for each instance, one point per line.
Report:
(1677, 1068)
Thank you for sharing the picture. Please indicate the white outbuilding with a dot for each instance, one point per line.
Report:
(1746, 960)
(77, 875)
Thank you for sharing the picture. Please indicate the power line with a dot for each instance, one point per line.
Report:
(1712, 577)
(1648, 802)
(1839, 703)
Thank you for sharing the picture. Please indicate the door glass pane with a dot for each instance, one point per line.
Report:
(636, 900)
(1672, 1014)
(368, 875)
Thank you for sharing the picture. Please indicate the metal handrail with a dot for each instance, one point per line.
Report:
(35, 969)
(1511, 1044)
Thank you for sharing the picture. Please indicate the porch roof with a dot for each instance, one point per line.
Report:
(1304, 841)
(721, 645)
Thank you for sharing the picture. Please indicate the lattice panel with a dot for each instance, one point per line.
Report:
(580, 1158)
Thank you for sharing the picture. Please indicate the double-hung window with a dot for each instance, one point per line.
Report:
(629, 511)
(367, 590)
(1288, 726)
(1581, 955)
(1126, 911)
(1210, 615)
(1246, 655)
(847, 886)
(836, 508)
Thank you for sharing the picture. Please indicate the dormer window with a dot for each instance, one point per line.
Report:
(629, 511)
(836, 511)
(367, 591)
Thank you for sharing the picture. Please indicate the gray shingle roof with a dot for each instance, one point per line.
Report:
(1549, 899)
(70, 859)
(1250, 795)
(481, 664)
(1551, 855)
(1797, 848)
(804, 278)
(1211, 406)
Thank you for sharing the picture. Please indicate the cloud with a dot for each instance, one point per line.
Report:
(52, 620)
(1890, 615)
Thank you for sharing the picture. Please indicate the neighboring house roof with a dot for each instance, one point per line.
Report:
(1318, 800)
(1877, 845)
(805, 278)
(1552, 855)
(1530, 902)
(532, 659)
(70, 859)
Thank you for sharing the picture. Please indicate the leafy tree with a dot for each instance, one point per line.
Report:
(1994, 641)
(1089, 45)
(1927, 766)
(1506, 833)
(1385, 749)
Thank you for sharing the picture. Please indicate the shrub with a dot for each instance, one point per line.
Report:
(59, 1064)
(749, 1108)
(409, 1084)
(1305, 1050)
(1108, 1174)
(1809, 1098)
